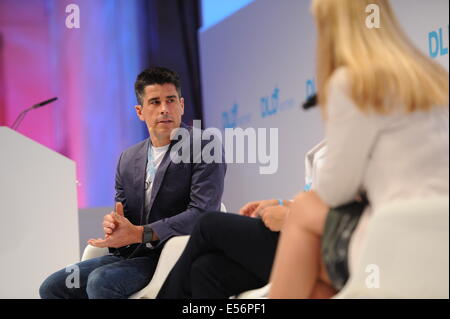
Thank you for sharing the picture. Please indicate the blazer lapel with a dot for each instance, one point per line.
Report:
(160, 172)
(140, 163)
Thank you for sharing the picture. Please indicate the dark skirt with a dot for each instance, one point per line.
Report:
(339, 227)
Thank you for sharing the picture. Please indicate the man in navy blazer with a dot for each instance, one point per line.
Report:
(156, 198)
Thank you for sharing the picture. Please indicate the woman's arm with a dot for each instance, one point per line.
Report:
(350, 136)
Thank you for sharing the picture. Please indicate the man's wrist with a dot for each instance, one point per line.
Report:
(148, 234)
(139, 232)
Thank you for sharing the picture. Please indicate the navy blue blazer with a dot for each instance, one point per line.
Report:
(180, 192)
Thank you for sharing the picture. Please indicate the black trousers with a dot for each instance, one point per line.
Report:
(226, 254)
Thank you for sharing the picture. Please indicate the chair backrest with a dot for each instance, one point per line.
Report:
(406, 253)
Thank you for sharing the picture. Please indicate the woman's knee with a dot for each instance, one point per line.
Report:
(308, 212)
(299, 214)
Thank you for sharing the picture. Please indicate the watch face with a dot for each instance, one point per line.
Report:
(148, 235)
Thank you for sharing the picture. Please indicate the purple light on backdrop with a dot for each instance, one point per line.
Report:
(92, 71)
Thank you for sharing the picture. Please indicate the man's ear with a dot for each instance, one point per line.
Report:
(138, 109)
(182, 105)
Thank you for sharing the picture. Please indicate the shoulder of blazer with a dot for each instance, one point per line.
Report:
(136, 148)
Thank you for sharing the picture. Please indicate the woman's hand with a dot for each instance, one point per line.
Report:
(253, 209)
(274, 217)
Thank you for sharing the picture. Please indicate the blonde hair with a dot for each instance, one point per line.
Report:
(382, 62)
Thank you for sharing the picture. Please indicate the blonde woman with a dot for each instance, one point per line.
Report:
(385, 106)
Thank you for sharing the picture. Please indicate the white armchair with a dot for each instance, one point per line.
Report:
(408, 243)
(260, 293)
(169, 255)
(407, 247)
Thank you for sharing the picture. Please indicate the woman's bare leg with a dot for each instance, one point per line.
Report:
(322, 290)
(297, 265)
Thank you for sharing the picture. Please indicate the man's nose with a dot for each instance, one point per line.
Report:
(164, 108)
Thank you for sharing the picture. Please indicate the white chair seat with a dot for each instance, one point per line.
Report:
(408, 245)
(168, 258)
(260, 293)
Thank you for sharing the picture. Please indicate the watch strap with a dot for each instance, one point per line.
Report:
(147, 235)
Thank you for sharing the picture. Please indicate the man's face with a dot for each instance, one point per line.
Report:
(161, 109)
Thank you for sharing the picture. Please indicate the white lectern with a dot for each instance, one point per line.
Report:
(38, 214)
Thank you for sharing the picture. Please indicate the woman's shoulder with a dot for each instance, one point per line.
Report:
(339, 92)
(340, 77)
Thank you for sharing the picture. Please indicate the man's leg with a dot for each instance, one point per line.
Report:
(57, 285)
(243, 240)
(121, 279)
(216, 276)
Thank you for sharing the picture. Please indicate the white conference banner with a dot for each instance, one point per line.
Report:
(257, 67)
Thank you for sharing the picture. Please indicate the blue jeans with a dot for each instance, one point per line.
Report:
(106, 277)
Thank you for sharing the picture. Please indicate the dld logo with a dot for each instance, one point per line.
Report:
(436, 42)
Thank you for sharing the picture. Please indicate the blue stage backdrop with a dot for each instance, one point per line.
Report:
(258, 66)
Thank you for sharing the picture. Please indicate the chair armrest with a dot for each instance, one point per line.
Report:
(93, 252)
(169, 256)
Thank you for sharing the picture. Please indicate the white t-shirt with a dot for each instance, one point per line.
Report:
(155, 157)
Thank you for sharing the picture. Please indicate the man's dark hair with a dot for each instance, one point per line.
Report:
(155, 75)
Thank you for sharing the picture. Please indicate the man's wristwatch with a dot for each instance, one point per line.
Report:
(147, 234)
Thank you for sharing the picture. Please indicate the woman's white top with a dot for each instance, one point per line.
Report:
(390, 157)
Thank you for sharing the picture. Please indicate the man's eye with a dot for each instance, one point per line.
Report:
(155, 102)
(171, 100)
